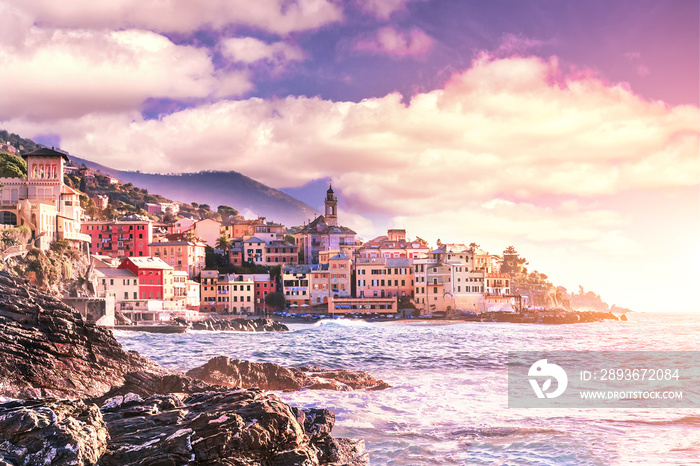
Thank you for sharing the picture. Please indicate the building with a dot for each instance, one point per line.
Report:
(264, 285)
(381, 277)
(208, 290)
(393, 246)
(7, 148)
(237, 227)
(324, 233)
(208, 230)
(119, 238)
(155, 277)
(295, 284)
(227, 293)
(121, 283)
(330, 280)
(42, 202)
(184, 256)
(171, 208)
(268, 253)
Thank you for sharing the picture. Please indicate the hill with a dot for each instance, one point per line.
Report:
(214, 188)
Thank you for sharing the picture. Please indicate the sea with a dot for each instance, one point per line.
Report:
(448, 401)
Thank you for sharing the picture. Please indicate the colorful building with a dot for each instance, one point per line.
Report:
(155, 277)
(324, 233)
(382, 277)
(116, 238)
(186, 256)
(42, 202)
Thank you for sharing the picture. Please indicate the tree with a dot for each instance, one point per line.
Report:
(512, 262)
(276, 300)
(190, 237)
(223, 242)
(226, 212)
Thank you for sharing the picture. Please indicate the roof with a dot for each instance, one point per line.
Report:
(340, 256)
(46, 152)
(254, 240)
(68, 190)
(319, 226)
(114, 273)
(401, 262)
(149, 262)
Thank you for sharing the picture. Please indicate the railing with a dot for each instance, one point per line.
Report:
(14, 251)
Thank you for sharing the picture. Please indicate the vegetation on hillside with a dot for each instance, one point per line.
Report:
(12, 166)
(23, 145)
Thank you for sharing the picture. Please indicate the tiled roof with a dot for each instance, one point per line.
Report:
(149, 263)
(319, 227)
(46, 152)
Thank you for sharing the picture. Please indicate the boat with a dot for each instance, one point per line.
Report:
(153, 328)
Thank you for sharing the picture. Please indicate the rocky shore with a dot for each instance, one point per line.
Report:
(550, 317)
(74, 396)
(236, 373)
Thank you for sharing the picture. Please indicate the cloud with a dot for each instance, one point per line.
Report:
(509, 151)
(512, 44)
(275, 16)
(248, 50)
(389, 41)
(514, 129)
(382, 9)
(64, 74)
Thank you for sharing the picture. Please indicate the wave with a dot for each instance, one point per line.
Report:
(666, 422)
(494, 432)
(342, 323)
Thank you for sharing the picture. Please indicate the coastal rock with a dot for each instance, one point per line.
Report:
(50, 350)
(240, 325)
(120, 408)
(51, 432)
(268, 376)
(242, 427)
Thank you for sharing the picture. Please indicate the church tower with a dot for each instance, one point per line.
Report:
(331, 207)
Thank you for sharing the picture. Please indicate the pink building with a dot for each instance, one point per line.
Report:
(116, 238)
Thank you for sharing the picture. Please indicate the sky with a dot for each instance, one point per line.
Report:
(567, 129)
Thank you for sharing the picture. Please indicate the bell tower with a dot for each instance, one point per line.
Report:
(331, 207)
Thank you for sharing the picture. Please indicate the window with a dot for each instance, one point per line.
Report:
(435, 290)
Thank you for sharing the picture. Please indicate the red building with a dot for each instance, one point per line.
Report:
(155, 277)
(117, 238)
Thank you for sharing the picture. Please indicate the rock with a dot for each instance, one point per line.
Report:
(245, 374)
(49, 350)
(234, 427)
(623, 318)
(268, 376)
(242, 427)
(51, 432)
(148, 415)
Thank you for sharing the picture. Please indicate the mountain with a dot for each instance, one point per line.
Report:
(216, 188)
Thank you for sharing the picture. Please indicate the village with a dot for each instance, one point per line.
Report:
(143, 270)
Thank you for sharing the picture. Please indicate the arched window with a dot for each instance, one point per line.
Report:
(8, 218)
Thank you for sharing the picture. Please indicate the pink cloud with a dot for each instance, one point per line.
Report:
(389, 41)
(382, 9)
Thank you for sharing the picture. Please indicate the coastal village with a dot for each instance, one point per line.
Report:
(142, 270)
